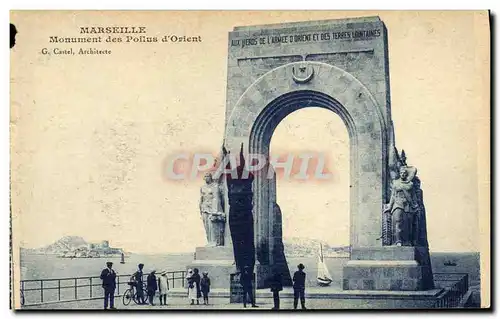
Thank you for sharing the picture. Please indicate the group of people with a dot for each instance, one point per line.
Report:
(108, 277)
(152, 285)
(299, 286)
(198, 286)
(276, 285)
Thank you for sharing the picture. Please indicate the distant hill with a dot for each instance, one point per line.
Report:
(294, 247)
(67, 243)
(307, 247)
(75, 244)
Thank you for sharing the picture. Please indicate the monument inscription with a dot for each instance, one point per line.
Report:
(307, 37)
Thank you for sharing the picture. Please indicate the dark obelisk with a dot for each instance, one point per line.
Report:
(241, 222)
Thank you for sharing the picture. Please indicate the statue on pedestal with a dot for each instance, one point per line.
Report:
(403, 219)
(212, 211)
(401, 214)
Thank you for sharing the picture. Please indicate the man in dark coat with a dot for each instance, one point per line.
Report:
(152, 286)
(246, 282)
(276, 286)
(139, 284)
(299, 286)
(108, 276)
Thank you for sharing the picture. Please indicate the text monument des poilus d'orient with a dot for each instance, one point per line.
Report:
(341, 66)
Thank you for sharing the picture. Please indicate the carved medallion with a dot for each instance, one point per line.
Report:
(303, 73)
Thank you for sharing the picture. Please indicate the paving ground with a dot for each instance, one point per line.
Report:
(174, 303)
(219, 301)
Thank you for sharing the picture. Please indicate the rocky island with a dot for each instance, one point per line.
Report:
(77, 247)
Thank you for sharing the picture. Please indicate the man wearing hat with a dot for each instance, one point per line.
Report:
(299, 286)
(139, 284)
(108, 276)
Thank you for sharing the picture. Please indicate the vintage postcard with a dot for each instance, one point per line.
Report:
(267, 160)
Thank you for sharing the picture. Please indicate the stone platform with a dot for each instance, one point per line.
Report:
(331, 298)
(388, 268)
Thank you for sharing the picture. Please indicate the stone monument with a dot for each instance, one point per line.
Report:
(341, 66)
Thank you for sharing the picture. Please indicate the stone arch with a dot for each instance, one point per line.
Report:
(275, 95)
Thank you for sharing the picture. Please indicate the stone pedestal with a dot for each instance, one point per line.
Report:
(388, 268)
(218, 262)
(214, 253)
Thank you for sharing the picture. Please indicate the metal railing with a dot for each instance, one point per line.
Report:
(455, 287)
(80, 288)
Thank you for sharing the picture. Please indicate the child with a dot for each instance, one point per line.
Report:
(205, 287)
(163, 287)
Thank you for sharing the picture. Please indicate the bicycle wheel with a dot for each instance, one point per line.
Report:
(136, 297)
(127, 296)
(144, 297)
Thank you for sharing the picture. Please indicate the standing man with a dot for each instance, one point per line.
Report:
(108, 276)
(152, 285)
(276, 286)
(139, 284)
(299, 286)
(246, 282)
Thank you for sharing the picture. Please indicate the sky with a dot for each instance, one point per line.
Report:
(323, 132)
(90, 135)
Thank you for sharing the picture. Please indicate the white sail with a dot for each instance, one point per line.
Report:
(323, 271)
(324, 278)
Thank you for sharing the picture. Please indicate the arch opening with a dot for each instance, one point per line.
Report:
(307, 223)
(268, 224)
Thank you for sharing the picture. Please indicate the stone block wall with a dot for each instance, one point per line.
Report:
(401, 277)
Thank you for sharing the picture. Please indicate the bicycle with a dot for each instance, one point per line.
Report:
(131, 294)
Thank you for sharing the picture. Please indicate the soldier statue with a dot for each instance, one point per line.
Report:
(403, 208)
(212, 212)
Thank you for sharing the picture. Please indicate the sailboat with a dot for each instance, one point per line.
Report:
(324, 278)
(123, 259)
